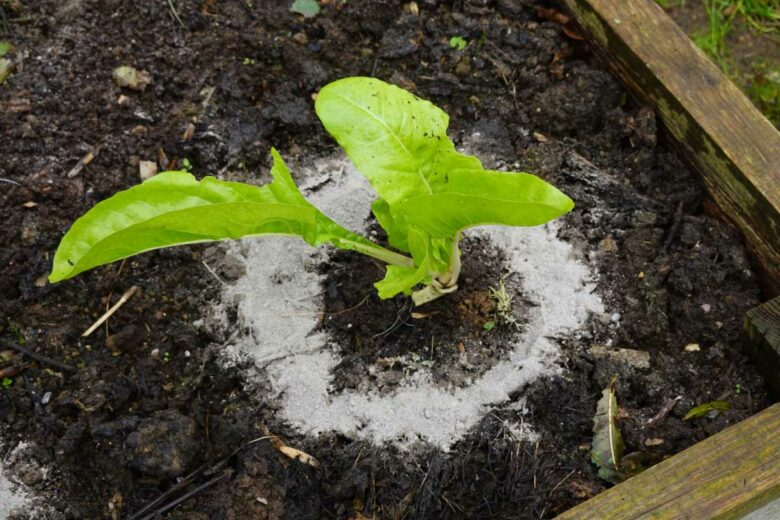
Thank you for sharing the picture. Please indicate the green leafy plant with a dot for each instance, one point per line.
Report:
(428, 194)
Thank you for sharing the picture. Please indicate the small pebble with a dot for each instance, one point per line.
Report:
(131, 78)
(706, 307)
(147, 169)
(692, 347)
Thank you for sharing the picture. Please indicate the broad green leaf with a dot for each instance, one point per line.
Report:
(403, 279)
(396, 226)
(400, 143)
(173, 208)
(607, 447)
(393, 137)
(474, 198)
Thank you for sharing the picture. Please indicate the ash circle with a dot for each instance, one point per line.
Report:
(280, 297)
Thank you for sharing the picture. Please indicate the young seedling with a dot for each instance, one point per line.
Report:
(428, 193)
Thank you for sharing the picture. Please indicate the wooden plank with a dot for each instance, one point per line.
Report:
(729, 141)
(762, 331)
(724, 477)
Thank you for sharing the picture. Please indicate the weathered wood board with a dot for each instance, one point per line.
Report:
(762, 331)
(729, 141)
(725, 476)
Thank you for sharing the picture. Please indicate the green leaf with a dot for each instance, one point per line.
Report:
(456, 42)
(307, 8)
(482, 197)
(704, 409)
(489, 325)
(607, 446)
(173, 208)
(393, 137)
(403, 279)
(400, 143)
(6, 66)
(5, 48)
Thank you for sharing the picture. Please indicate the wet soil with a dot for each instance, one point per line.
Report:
(453, 340)
(148, 400)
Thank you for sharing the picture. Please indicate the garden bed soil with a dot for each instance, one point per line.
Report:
(152, 398)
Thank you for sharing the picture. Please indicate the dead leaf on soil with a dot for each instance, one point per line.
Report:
(571, 33)
(556, 16)
(704, 409)
(552, 15)
(607, 446)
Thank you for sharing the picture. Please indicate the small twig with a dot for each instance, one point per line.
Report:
(12, 370)
(183, 483)
(323, 314)
(398, 321)
(675, 224)
(176, 14)
(663, 412)
(561, 482)
(126, 296)
(111, 293)
(41, 358)
(85, 160)
(211, 271)
(186, 481)
(9, 181)
(158, 513)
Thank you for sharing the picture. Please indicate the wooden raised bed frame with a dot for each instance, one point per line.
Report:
(737, 152)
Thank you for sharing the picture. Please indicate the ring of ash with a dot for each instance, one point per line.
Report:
(279, 301)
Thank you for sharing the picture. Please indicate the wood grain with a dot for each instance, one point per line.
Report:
(762, 331)
(723, 477)
(732, 145)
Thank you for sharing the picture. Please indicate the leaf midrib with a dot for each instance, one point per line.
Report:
(389, 131)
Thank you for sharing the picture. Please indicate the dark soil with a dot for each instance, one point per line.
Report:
(148, 401)
(385, 341)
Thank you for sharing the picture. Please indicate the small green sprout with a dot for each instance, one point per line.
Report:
(489, 325)
(7, 382)
(504, 302)
(428, 194)
(308, 8)
(186, 165)
(166, 357)
(456, 42)
(248, 61)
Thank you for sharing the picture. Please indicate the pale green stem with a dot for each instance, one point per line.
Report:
(380, 253)
(443, 283)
